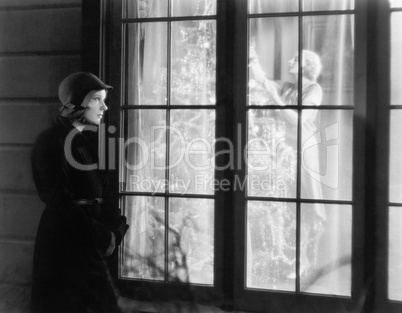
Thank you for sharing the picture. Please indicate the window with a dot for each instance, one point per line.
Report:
(168, 125)
(299, 196)
(388, 203)
(300, 206)
(243, 165)
(395, 182)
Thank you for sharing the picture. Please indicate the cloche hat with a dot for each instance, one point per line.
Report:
(73, 90)
(75, 87)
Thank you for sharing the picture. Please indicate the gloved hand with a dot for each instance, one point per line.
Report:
(120, 229)
(112, 245)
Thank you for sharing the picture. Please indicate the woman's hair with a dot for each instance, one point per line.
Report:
(311, 65)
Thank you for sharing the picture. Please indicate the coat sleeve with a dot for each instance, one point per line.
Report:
(50, 174)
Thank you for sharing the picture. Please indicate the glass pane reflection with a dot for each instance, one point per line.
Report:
(192, 134)
(273, 6)
(324, 5)
(271, 245)
(145, 151)
(395, 254)
(327, 56)
(395, 167)
(146, 8)
(191, 240)
(273, 43)
(147, 64)
(326, 248)
(396, 60)
(193, 7)
(193, 63)
(271, 154)
(327, 154)
(332, 39)
(143, 249)
(395, 3)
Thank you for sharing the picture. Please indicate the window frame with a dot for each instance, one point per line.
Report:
(379, 124)
(279, 301)
(371, 122)
(165, 291)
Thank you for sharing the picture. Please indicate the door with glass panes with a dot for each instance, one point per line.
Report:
(283, 128)
(299, 116)
(167, 121)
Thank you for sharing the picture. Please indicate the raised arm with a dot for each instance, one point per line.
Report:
(272, 87)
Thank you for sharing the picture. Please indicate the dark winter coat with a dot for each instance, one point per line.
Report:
(70, 273)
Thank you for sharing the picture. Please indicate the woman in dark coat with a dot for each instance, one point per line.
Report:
(81, 224)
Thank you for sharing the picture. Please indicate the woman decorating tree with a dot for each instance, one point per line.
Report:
(285, 93)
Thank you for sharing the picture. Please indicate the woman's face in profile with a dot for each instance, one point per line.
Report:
(96, 107)
(294, 65)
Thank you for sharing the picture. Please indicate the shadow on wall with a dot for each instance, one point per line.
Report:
(15, 292)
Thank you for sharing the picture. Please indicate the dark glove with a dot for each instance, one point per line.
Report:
(120, 229)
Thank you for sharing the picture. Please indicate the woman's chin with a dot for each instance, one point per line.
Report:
(93, 123)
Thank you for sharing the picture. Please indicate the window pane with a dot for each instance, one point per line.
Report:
(273, 43)
(145, 151)
(193, 7)
(192, 135)
(327, 154)
(191, 240)
(395, 3)
(396, 60)
(273, 6)
(271, 154)
(143, 249)
(271, 245)
(325, 249)
(146, 64)
(395, 171)
(328, 57)
(329, 40)
(323, 5)
(395, 254)
(193, 62)
(146, 8)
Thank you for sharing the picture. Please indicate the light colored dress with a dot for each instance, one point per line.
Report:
(312, 96)
(312, 219)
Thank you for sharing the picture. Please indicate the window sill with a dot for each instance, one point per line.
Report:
(129, 305)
